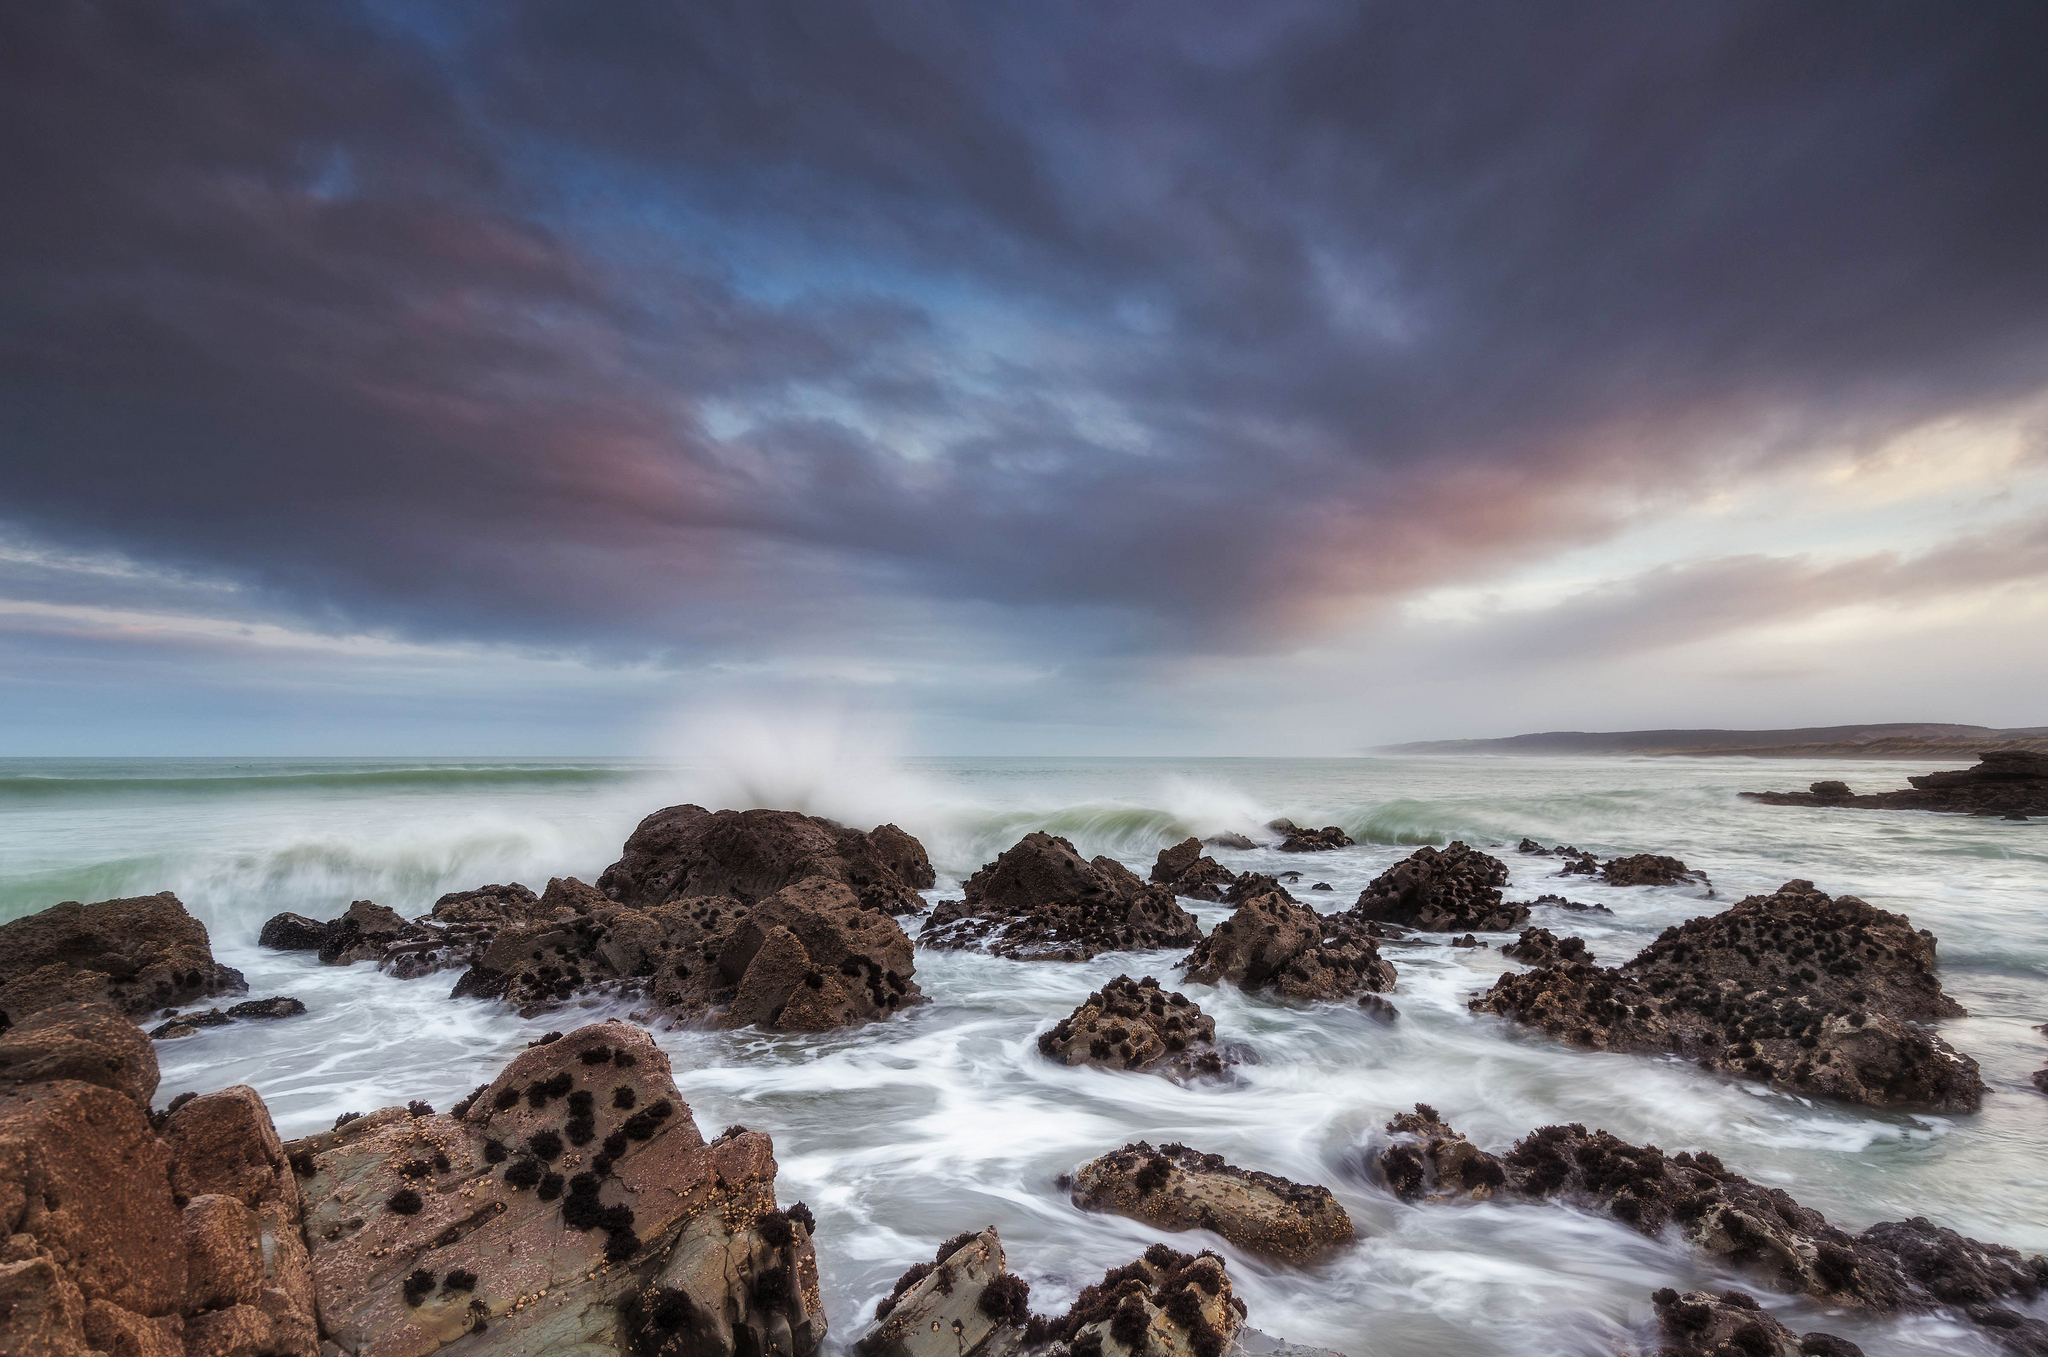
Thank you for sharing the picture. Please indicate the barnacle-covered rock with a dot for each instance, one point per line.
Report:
(1040, 900)
(1289, 949)
(1135, 1025)
(139, 955)
(686, 852)
(1448, 890)
(1178, 1188)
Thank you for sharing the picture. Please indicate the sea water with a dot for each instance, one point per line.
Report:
(945, 1118)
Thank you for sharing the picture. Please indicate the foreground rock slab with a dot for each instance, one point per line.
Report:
(1135, 1025)
(139, 955)
(571, 1206)
(1449, 890)
(1823, 995)
(1042, 901)
(1178, 1188)
(2008, 783)
(1288, 949)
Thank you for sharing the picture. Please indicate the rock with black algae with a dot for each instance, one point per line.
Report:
(1186, 871)
(1447, 890)
(1289, 949)
(1164, 1304)
(952, 1306)
(1136, 1025)
(140, 955)
(1700, 1324)
(1541, 947)
(1178, 1188)
(1040, 900)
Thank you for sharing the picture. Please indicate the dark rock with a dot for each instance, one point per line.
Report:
(1441, 891)
(279, 1007)
(687, 852)
(1429, 1161)
(1541, 947)
(905, 856)
(2040, 1079)
(1315, 840)
(1041, 901)
(1649, 869)
(1378, 1009)
(1178, 1188)
(1829, 787)
(1135, 1025)
(186, 1024)
(1183, 870)
(1322, 886)
(1699, 1324)
(952, 1306)
(499, 905)
(1822, 995)
(1251, 885)
(364, 932)
(139, 955)
(1237, 841)
(1163, 1304)
(1274, 944)
(2005, 782)
(1559, 902)
(1468, 940)
(292, 933)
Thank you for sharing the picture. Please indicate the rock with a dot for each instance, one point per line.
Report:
(139, 955)
(186, 1024)
(1531, 846)
(1541, 947)
(505, 904)
(1322, 886)
(2040, 1080)
(1237, 841)
(573, 1203)
(1314, 840)
(952, 1306)
(1183, 870)
(1378, 1009)
(223, 1254)
(1272, 944)
(280, 1006)
(1649, 869)
(363, 933)
(1822, 995)
(1178, 1188)
(86, 1043)
(2004, 782)
(1442, 891)
(686, 852)
(1041, 901)
(1135, 1025)
(41, 1311)
(1559, 902)
(1251, 885)
(1734, 1325)
(1164, 1304)
(905, 856)
(1430, 1161)
(1467, 940)
(292, 933)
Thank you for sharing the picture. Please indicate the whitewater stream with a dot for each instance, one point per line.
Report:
(946, 1119)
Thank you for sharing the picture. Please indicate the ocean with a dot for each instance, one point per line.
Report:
(946, 1119)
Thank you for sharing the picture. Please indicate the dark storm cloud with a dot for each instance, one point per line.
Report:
(639, 324)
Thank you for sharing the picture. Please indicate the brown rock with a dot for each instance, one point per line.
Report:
(238, 1331)
(1822, 995)
(290, 932)
(89, 1043)
(904, 856)
(123, 1333)
(1163, 1304)
(1178, 1188)
(1298, 840)
(1135, 1025)
(685, 852)
(574, 1202)
(1270, 944)
(1649, 869)
(950, 1307)
(223, 1254)
(137, 955)
(41, 1312)
(1252, 885)
(1441, 891)
(1541, 947)
(500, 905)
(1734, 1325)
(1430, 1161)
(1041, 901)
(1184, 870)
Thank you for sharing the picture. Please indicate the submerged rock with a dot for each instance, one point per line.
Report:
(1649, 869)
(1272, 944)
(572, 1203)
(1699, 1324)
(1178, 1188)
(139, 955)
(687, 852)
(1298, 840)
(1184, 870)
(1135, 1025)
(1541, 947)
(1818, 994)
(2006, 782)
(1445, 890)
(1041, 901)
(1237, 841)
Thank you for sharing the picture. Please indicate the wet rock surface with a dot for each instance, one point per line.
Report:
(1135, 1025)
(573, 1202)
(1541, 947)
(1163, 1304)
(687, 852)
(1178, 1188)
(1252, 885)
(1042, 901)
(2005, 782)
(1446, 890)
(1428, 1161)
(1185, 870)
(1295, 839)
(952, 1306)
(1289, 949)
(1649, 869)
(1823, 995)
(1701, 1324)
(139, 955)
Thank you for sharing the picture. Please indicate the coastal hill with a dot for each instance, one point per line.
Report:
(1896, 740)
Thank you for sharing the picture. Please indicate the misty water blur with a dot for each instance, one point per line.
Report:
(946, 1119)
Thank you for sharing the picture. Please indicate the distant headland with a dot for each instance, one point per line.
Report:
(1896, 740)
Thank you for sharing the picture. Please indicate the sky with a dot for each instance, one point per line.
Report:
(1024, 378)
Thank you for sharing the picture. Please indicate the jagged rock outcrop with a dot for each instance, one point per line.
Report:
(1891, 1267)
(1252, 885)
(1164, 1304)
(1295, 839)
(1184, 870)
(127, 1234)
(952, 1306)
(1826, 996)
(2006, 782)
(1135, 1025)
(1042, 901)
(571, 1202)
(1700, 1324)
(139, 955)
(1649, 869)
(453, 935)
(1272, 944)
(1178, 1188)
(1448, 890)
(1541, 947)
(686, 852)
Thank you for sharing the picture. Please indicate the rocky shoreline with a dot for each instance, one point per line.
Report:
(572, 1204)
(2006, 784)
